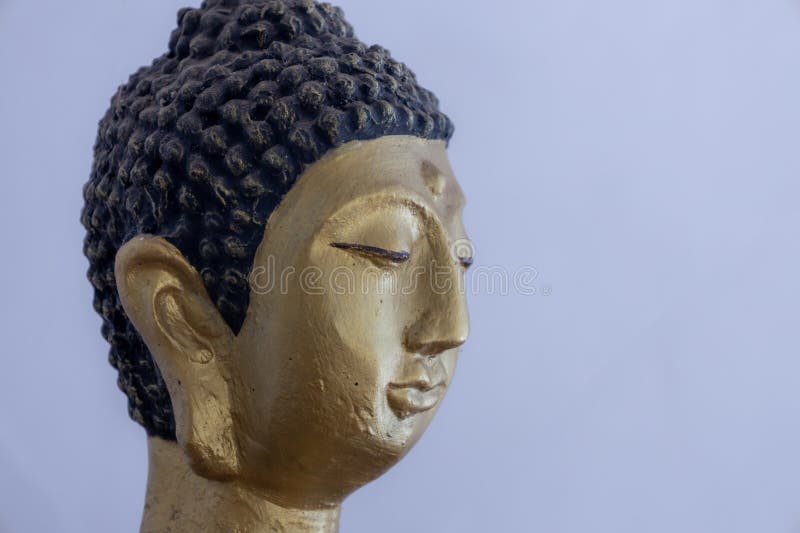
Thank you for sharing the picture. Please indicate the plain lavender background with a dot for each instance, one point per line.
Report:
(643, 156)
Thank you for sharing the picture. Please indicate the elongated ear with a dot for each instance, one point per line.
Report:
(164, 297)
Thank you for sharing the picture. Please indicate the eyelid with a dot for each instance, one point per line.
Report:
(374, 251)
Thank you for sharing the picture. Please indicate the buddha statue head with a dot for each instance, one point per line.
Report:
(275, 243)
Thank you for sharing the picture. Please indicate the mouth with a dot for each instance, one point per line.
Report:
(412, 398)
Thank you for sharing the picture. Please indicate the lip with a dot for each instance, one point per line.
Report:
(407, 399)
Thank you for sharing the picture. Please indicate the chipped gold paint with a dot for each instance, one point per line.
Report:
(320, 392)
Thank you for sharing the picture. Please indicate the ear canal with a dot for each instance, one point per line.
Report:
(201, 357)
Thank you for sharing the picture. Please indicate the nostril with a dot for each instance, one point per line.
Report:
(435, 347)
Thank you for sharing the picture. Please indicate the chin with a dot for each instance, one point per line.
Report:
(402, 434)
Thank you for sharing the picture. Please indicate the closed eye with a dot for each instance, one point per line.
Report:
(374, 252)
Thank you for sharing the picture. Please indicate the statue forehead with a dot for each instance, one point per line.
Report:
(404, 167)
(391, 163)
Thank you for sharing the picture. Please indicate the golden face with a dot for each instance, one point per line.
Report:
(355, 318)
(356, 314)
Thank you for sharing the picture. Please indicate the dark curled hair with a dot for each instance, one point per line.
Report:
(202, 146)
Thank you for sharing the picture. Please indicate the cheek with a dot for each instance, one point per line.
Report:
(353, 348)
(363, 354)
(368, 326)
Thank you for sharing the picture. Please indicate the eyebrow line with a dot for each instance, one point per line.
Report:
(395, 257)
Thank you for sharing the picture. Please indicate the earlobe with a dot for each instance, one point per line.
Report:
(165, 299)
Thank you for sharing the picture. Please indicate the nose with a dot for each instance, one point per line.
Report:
(443, 325)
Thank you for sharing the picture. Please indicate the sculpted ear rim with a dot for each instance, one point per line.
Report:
(149, 251)
(143, 250)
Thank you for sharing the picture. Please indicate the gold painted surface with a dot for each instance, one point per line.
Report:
(179, 500)
(349, 344)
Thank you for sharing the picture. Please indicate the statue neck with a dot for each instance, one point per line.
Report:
(181, 501)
